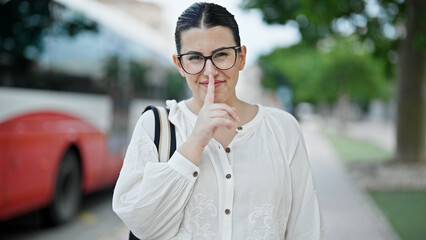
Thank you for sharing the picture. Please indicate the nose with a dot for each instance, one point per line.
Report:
(210, 68)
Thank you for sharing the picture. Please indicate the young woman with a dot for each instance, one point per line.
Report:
(240, 170)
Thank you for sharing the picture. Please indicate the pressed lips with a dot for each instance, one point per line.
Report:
(217, 83)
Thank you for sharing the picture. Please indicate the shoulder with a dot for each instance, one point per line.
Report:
(151, 112)
(284, 118)
(147, 117)
(146, 122)
(283, 122)
(286, 128)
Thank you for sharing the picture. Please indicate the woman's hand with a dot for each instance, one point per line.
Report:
(211, 116)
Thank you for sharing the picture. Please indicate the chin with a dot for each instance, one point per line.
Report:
(220, 100)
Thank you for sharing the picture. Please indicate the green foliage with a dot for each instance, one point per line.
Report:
(298, 64)
(175, 85)
(319, 19)
(313, 17)
(137, 72)
(112, 67)
(342, 66)
(116, 68)
(23, 25)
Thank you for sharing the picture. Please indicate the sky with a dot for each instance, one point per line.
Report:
(259, 37)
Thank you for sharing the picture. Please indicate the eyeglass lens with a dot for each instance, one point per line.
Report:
(194, 63)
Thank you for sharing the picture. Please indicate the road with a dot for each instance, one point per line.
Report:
(95, 221)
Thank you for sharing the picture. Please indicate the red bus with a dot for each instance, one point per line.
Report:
(49, 159)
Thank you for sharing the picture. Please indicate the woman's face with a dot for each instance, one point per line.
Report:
(205, 41)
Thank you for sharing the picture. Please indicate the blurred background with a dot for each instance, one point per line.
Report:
(352, 72)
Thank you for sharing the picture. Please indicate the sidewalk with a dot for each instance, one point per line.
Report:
(378, 132)
(120, 232)
(348, 212)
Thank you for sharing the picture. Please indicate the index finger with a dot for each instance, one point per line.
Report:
(210, 91)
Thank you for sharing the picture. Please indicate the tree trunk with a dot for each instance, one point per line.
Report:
(411, 99)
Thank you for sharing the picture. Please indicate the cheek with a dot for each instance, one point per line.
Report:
(232, 75)
(192, 82)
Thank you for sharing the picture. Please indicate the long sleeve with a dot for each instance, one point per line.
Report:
(150, 197)
(305, 217)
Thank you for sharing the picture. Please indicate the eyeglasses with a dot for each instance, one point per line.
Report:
(222, 58)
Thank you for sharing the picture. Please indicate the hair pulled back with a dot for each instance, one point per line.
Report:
(205, 15)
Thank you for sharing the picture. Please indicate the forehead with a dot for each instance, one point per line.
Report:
(205, 40)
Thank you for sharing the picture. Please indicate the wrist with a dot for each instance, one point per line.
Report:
(192, 151)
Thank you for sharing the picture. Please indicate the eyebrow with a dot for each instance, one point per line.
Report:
(213, 52)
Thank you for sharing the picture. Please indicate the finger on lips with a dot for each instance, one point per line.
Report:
(209, 100)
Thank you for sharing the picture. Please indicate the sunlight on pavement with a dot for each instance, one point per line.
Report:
(87, 217)
(120, 232)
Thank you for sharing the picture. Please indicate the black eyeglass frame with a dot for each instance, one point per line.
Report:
(236, 48)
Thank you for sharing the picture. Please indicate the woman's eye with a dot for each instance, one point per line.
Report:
(194, 58)
(221, 54)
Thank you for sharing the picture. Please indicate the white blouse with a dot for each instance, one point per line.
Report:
(259, 187)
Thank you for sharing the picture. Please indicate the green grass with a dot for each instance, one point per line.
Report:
(354, 150)
(406, 211)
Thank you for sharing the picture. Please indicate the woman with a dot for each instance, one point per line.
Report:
(240, 170)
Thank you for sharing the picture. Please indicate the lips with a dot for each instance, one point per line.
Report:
(217, 83)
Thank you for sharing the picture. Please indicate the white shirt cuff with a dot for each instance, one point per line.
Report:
(184, 166)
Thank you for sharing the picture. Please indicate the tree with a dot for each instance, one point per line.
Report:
(343, 69)
(24, 24)
(397, 32)
(175, 85)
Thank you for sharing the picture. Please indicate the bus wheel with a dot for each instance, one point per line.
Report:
(68, 192)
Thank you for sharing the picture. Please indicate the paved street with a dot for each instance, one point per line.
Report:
(348, 212)
(94, 221)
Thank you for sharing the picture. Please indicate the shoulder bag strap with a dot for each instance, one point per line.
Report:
(165, 133)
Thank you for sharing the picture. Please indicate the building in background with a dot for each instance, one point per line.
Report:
(118, 48)
(250, 89)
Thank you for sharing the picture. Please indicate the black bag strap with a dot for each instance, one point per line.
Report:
(157, 139)
(133, 237)
(157, 124)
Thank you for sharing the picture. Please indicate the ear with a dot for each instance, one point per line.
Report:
(242, 57)
(178, 65)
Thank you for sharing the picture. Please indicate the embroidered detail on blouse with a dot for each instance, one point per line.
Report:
(282, 222)
(198, 209)
(262, 221)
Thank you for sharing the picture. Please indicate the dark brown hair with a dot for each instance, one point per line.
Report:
(205, 15)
